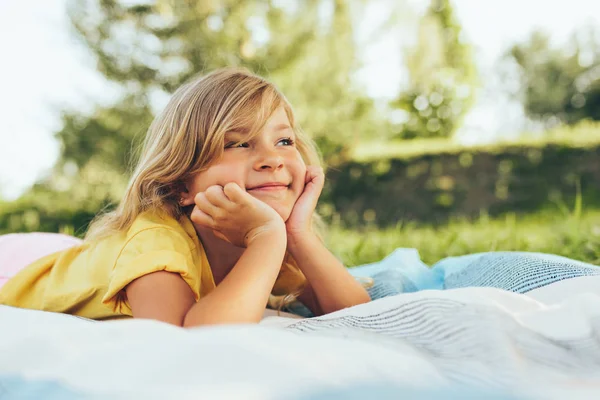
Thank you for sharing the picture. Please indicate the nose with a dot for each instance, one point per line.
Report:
(268, 158)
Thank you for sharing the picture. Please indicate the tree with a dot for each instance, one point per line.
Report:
(148, 49)
(559, 84)
(155, 48)
(442, 74)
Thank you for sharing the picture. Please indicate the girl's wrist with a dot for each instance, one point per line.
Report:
(270, 233)
(301, 240)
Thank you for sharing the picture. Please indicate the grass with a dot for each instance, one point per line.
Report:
(575, 235)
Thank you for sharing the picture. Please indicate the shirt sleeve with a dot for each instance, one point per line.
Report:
(150, 250)
(290, 278)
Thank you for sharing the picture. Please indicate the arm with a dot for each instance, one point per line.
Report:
(330, 286)
(240, 298)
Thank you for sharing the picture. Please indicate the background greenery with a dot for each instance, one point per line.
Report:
(390, 184)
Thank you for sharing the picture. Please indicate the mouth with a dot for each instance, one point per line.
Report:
(269, 187)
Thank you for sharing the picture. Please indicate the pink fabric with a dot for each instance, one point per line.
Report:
(18, 250)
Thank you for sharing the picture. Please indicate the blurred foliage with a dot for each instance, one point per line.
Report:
(62, 204)
(443, 77)
(151, 49)
(559, 84)
(447, 183)
(148, 49)
(308, 48)
(583, 134)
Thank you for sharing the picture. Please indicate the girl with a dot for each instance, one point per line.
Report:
(218, 215)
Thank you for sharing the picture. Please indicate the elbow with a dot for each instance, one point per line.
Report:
(340, 306)
(193, 320)
(360, 298)
(188, 323)
(364, 298)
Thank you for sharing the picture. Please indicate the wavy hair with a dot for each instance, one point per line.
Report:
(187, 137)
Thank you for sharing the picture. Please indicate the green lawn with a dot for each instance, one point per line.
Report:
(575, 235)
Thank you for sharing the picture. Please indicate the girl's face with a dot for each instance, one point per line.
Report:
(268, 166)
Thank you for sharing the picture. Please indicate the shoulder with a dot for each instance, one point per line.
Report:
(155, 242)
(159, 229)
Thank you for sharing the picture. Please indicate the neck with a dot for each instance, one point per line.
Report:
(222, 255)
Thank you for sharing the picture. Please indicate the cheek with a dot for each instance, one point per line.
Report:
(225, 173)
(299, 174)
(298, 163)
(229, 172)
(216, 175)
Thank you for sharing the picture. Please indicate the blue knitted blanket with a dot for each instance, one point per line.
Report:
(519, 272)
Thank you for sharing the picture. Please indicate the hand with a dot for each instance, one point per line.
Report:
(299, 222)
(234, 215)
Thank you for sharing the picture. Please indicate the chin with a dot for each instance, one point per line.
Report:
(284, 214)
(283, 208)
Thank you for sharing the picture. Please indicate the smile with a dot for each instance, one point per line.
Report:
(270, 188)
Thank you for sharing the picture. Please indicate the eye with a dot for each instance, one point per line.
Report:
(287, 141)
(231, 145)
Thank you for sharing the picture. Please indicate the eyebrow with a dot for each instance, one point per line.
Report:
(282, 127)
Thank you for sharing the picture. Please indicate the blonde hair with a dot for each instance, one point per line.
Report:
(188, 135)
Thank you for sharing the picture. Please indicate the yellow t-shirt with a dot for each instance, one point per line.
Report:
(89, 280)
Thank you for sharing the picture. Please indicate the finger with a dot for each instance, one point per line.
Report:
(217, 197)
(314, 173)
(235, 193)
(201, 218)
(314, 180)
(221, 236)
(204, 205)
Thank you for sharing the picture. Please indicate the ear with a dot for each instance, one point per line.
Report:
(186, 197)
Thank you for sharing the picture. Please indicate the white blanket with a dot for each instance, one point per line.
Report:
(429, 344)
